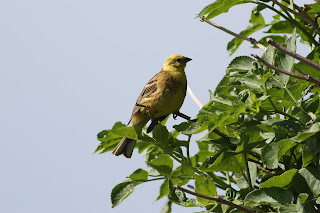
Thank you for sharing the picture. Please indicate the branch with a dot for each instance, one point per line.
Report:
(294, 55)
(217, 199)
(182, 116)
(251, 40)
(303, 77)
(306, 19)
(194, 97)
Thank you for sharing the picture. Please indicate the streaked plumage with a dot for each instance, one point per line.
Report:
(163, 95)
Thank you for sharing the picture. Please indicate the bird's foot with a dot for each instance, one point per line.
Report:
(174, 115)
(145, 106)
(148, 109)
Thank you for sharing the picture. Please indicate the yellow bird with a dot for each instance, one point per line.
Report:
(163, 94)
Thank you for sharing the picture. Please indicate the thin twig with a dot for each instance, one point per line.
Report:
(217, 199)
(294, 55)
(194, 97)
(182, 115)
(251, 40)
(306, 19)
(221, 134)
(259, 166)
(299, 70)
(303, 77)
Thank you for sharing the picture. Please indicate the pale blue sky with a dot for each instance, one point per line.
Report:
(72, 68)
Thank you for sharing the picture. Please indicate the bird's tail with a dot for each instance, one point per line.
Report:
(125, 147)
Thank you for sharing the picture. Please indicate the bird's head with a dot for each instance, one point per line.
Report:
(175, 62)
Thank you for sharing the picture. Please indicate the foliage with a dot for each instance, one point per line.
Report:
(269, 159)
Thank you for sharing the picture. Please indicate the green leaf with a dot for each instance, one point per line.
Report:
(310, 150)
(242, 183)
(241, 64)
(162, 164)
(160, 134)
(183, 174)
(108, 141)
(282, 181)
(166, 208)
(150, 153)
(314, 8)
(248, 81)
(218, 7)
(281, 27)
(284, 61)
(205, 186)
(121, 192)
(312, 178)
(189, 128)
(308, 132)
(269, 155)
(164, 189)
(270, 195)
(123, 130)
(303, 197)
(284, 146)
(253, 172)
(268, 55)
(227, 161)
(222, 111)
(139, 174)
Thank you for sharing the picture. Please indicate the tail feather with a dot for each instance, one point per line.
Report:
(125, 147)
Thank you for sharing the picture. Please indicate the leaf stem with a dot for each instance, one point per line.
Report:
(217, 199)
(218, 181)
(247, 165)
(228, 177)
(160, 178)
(183, 162)
(188, 149)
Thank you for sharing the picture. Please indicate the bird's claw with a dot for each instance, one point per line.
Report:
(174, 115)
(148, 109)
(145, 106)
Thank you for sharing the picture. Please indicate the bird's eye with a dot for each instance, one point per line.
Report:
(179, 60)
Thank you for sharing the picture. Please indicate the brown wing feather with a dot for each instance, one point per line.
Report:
(147, 91)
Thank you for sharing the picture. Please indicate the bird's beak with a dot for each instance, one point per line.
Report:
(188, 59)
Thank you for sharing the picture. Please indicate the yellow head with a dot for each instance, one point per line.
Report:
(175, 62)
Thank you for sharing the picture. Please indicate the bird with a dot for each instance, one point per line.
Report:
(163, 95)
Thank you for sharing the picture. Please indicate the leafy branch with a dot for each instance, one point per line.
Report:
(294, 55)
(217, 199)
(303, 77)
(299, 14)
(268, 160)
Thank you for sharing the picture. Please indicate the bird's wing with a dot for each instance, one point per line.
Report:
(149, 89)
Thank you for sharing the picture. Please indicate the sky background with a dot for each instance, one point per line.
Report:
(72, 68)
